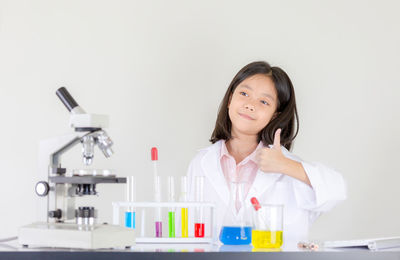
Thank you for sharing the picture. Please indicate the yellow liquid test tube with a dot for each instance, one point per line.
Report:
(184, 214)
(266, 239)
(184, 211)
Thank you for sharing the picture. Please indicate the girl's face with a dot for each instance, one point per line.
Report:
(252, 105)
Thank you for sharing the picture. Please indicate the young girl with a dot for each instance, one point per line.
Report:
(256, 125)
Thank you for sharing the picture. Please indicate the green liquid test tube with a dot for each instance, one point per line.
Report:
(171, 223)
(171, 211)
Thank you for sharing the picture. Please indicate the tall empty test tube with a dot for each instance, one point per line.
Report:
(199, 218)
(130, 214)
(171, 211)
(184, 211)
(143, 223)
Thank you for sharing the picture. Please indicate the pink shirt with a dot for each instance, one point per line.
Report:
(244, 171)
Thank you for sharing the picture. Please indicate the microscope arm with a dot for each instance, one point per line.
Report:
(56, 156)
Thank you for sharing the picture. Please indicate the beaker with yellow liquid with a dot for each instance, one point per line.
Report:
(268, 225)
(266, 239)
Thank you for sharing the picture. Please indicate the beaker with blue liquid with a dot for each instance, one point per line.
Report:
(236, 228)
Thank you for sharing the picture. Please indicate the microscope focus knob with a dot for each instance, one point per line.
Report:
(55, 213)
(42, 188)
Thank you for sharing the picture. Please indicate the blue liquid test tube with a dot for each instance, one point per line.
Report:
(130, 214)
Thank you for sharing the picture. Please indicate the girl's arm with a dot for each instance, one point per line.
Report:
(296, 170)
(317, 187)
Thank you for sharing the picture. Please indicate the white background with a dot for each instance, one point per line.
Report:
(159, 69)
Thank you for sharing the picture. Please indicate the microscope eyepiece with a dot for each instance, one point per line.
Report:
(66, 98)
(69, 101)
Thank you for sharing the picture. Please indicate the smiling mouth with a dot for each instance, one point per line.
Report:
(246, 116)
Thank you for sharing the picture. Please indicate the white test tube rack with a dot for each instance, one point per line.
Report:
(178, 240)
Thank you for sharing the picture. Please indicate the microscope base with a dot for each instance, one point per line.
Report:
(67, 235)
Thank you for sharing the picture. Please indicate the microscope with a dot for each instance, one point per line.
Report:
(67, 226)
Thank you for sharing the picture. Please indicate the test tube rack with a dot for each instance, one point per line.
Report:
(173, 240)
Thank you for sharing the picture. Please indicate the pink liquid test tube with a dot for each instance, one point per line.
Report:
(158, 229)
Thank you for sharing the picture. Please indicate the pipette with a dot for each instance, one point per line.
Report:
(184, 211)
(130, 214)
(154, 159)
(171, 212)
(259, 214)
(157, 192)
(255, 203)
(199, 222)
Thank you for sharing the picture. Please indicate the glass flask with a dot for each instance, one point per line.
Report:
(237, 225)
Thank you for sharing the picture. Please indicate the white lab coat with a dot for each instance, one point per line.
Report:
(302, 204)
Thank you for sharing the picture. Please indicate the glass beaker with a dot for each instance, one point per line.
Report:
(236, 228)
(268, 226)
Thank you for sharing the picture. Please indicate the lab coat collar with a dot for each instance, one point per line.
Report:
(252, 156)
(213, 172)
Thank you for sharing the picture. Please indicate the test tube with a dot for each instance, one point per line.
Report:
(130, 214)
(184, 211)
(157, 192)
(199, 219)
(158, 219)
(171, 211)
(143, 224)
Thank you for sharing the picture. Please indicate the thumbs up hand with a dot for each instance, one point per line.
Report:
(272, 160)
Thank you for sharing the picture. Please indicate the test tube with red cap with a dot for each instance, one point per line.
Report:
(157, 192)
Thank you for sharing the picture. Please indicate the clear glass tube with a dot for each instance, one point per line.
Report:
(199, 218)
(184, 211)
(143, 223)
(130, 214)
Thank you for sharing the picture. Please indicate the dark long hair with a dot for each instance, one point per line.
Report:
(286, 119)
